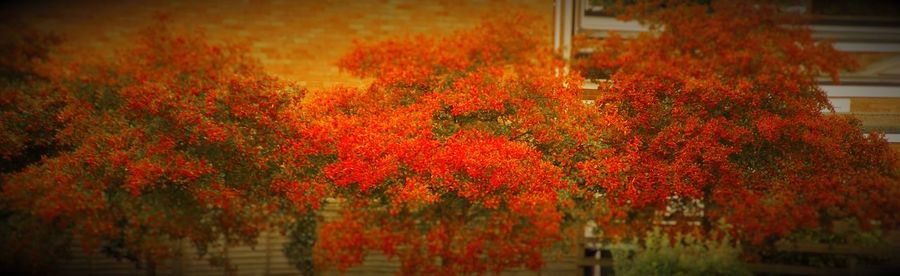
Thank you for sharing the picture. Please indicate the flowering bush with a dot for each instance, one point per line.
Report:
(716, 114)
(458, 155)
(176, 138)
(471, 153)
(28, 101)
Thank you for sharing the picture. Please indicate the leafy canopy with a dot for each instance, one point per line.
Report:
(176, 138)
(458, 155)
(715, 114)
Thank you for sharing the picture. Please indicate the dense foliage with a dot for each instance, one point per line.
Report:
(28, 101)
(173, 139)
(715, 114)
(657, 253)
(467, 154)
(29, 104)
(458, 155)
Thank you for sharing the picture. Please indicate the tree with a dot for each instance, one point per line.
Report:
(28, 106)
(715, 115)
(176, 138)
(458, 156)
(28, 102)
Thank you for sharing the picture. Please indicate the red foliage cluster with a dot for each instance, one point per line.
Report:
(454, 158)
(466, 154)
(717, 109)
(28, 102)
(176, 138)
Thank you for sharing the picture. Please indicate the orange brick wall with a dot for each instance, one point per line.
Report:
(294, 39)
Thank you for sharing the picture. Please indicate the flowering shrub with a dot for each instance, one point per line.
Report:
(455, 158)
(466, 154)
(29, 104)
(176, 138)
(28, 100)
(716, 114)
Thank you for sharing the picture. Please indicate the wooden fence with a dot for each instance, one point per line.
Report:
(266, 258)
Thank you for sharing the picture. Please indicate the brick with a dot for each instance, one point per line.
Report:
(289, 34)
